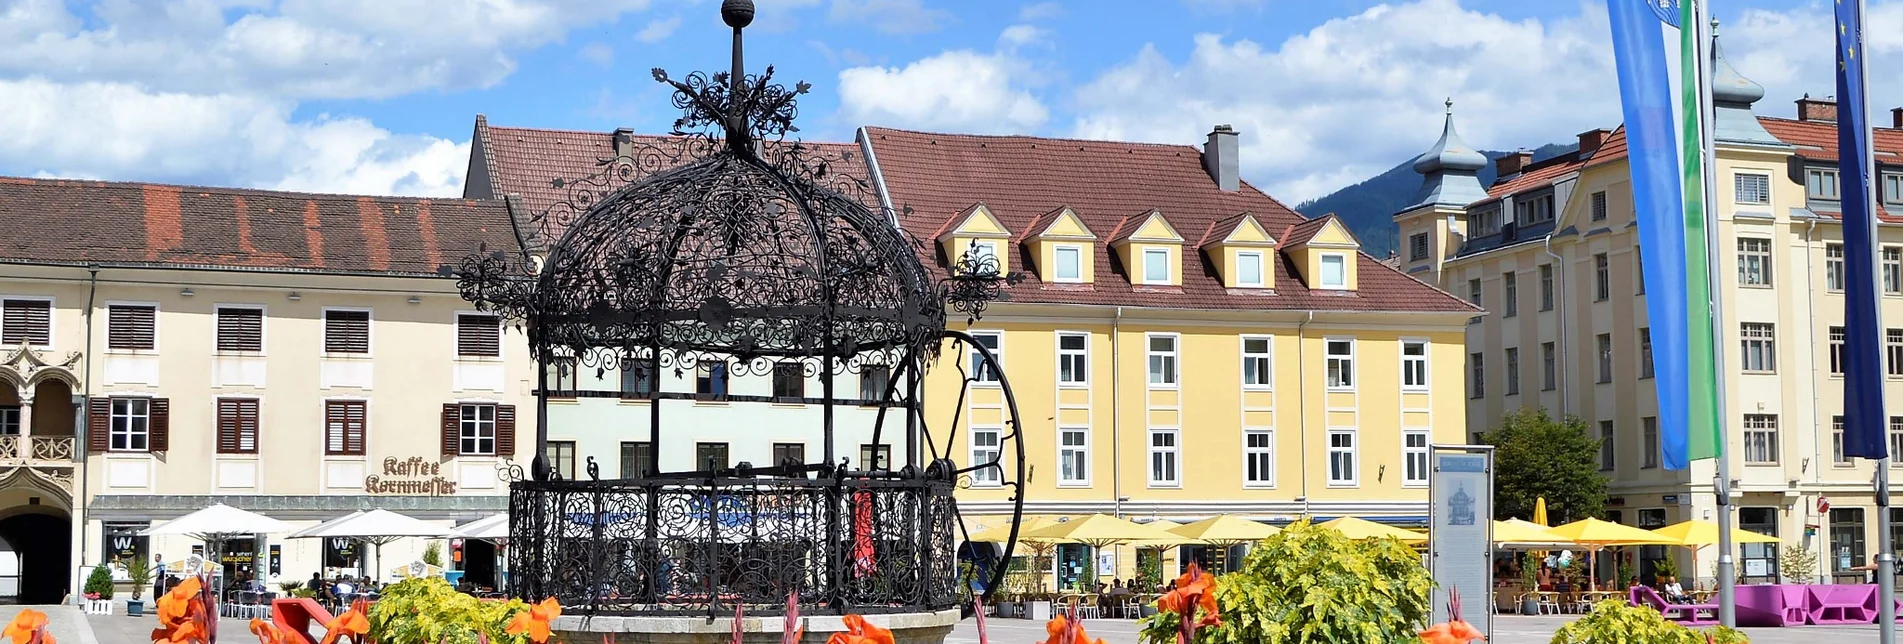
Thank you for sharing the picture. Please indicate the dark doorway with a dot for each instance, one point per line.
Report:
(43, 542)
(479, 563)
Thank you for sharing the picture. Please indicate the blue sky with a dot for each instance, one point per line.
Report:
(379, 96)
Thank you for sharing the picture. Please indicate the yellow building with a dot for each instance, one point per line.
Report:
(1182, 346)
(1551, 252)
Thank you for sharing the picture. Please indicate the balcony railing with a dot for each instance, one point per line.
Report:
(37, 448)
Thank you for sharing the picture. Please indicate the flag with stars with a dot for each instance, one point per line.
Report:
(1865, 426)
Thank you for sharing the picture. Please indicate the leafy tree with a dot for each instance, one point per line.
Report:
(1538, 456)
(100, 581)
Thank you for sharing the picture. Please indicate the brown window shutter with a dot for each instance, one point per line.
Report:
(505, 430)
(344, 427)
(237, 426)
(346, 331)
(478, 335)
(452, 429)
(131, 327)
(99, 424)
(26, 322)
(227, 426)
(161, 426)
(240, 329)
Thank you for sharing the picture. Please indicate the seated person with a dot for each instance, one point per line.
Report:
(1674, 593)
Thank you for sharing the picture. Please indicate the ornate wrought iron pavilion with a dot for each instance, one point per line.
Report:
(729, 244)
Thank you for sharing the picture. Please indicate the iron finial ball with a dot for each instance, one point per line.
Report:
(737, 13)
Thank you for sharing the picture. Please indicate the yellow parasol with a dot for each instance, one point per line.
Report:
(1103, 530)
(1226, 530)
(1517, 532)
(1357, 528)
(1003, 532)
(1539, 512)
(1597, 535)
(1695, 534)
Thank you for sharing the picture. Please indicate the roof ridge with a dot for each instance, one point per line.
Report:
(1114, 142)
(230, 190)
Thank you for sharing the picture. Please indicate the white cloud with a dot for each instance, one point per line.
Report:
(955, 91)
(118, 131)
(1017, 36)
(597, 53)
(1040, 11)
(891, 16)
(1791, 53)
(658, 30)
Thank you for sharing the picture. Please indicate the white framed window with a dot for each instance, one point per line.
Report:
(131, 424)
(1896, 436)
(1837, 456)
(1073, 456)
(1258, 362)
(1754, 261)
(1069, 262)
(1836, 351)
(1893, 352)
(1341, 363)
(1249, 268)
(986, 447)
(984, 249)
(1892, 270)
(1414, 457)
(1162, 360)
(1258, 457)
(1073, 358)
(979, 371)
(1760, 438)
(1759, 346)
(1751, 188)
(1834, 267)
(478, 430)
(1414, 365)
(1334, 271)
(1342, 458)
(1165, 453)
(1156, 266)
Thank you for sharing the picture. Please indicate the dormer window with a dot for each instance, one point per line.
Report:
(1156, 266)
(1893, 188)
(1483, 222)
(1249, 268)
(1334, 271)
(1068, 264)
(1533, 210)
(984, 250)
(1821, 184)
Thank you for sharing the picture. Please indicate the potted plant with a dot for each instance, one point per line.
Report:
(1530, 578)
(1664, 569)
(98, 590)
(139, 572)
(1627, 577)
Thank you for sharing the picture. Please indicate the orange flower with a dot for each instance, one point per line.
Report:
(181, 633)
(28, 627)
(1195, 591)
(269, 633)
(535, 621)
(1065, 630)
(182, 613)
(859, 631)
(1452, 632)
(353, 623)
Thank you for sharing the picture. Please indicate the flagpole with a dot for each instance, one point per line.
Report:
(1880, 484)
(1703, 28)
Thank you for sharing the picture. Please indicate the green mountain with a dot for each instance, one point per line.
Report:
(1368, 207)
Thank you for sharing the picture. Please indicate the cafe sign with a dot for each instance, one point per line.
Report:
(415, 477)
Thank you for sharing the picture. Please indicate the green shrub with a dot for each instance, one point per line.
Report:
(1309, 585)
(429, 611)
(433, 554)
(100, 581)
(1615, 622)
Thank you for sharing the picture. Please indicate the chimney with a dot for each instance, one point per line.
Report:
(1219, 158)
(1590, 140)
(624, 142)
(1896, 118)
(1819, 110)
(1513, 162)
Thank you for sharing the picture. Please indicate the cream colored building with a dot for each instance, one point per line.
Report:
(1551, 252)
(296, 355)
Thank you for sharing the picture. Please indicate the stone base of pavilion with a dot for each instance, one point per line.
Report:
(907, 628)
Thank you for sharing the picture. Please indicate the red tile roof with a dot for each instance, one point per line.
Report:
(1817, 140)
(64, 221)
(1020, 178)
(1221, 229)
(1043, 221)
(1301, 233)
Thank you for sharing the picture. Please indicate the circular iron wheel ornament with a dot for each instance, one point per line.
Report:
(728, 248)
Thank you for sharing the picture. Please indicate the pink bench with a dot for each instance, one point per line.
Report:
(1687, 614)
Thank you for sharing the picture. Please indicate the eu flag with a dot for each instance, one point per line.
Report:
(1864, 422)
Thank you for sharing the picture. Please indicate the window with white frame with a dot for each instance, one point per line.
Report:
(1892, 270)
(1334, 270)
(1820, 183)
(985, 251)
(1162, 359)
(1754, 261)
(1513, 371)
(1477, 366)
(1341, 364)
(1759, 346)
(980, 371)
(1414, 457)
(986, 448)
(1414, 364)
(1760, 438)
(478, 430)
(1164, 455)
(1608, 447)
(1896, 435)
(1249, 268)
(1834, 267)
(131, 424)
(1069, 262)
(1893, 352)
(1257, 363)
(1073, 358)
(1073, 456)
(1837, 350)
(1837, 456)
(1258, 457)
(1751, 188)
(1649, 430)
(1156, 266)
(1341, 457)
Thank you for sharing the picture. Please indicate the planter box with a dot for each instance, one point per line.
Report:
(135, 608)
(97, 606)
(1040, 611)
